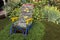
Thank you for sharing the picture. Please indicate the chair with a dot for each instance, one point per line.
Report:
(24, 22)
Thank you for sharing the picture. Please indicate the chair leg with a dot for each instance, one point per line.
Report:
(26, 32)
(14, 30)
(11, 30)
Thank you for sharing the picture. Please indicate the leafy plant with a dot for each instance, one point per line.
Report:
(41, 3)
(37, 9)
(51, 13)
(15, 13)
(36, 13)
(13, 9)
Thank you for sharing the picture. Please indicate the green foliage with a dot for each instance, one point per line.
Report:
(40, 4)
(51, 13)
(13, 9)
(35, 33)
(15, 13)
(37, 9)
(36, 14)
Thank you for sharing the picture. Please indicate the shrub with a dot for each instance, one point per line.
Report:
(51, 13)
(15, 13)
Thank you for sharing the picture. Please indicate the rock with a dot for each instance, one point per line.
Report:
(3, 14)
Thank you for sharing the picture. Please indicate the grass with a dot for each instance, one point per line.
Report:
(4, 23)
(39, 31)
(35, 33)
(52, 31)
